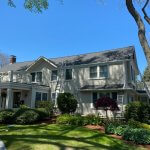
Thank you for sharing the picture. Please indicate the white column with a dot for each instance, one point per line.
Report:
(9, 99)
(33, 93)
(10, 76)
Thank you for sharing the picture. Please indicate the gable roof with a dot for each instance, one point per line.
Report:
(96, 57)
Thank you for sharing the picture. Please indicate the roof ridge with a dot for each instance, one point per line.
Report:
(103, 51)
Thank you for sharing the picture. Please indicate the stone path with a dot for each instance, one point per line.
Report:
(2, 146)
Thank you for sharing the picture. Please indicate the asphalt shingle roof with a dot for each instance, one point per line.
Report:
(102, 56)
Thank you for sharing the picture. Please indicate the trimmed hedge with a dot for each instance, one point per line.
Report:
(66, 103)
(6, 116)
(47, 106)
(78, 120)
(23, 115)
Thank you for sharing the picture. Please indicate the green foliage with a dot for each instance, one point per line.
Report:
(146, 76)
(26, 116)
(32, 5)
(66, 103)
(70, 120)
(92, 119)
(137, 135)
(138, 111)
(6, 116)
(78, 120)
(47, 105)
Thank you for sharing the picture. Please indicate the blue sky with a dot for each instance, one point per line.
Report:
(78, 26)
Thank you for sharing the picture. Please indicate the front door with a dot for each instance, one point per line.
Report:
(16, 99)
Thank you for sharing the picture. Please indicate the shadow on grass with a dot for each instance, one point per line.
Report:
(61, 139)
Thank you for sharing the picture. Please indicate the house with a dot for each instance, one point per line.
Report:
(88, 76)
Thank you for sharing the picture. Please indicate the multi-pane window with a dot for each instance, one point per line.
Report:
(104, 71)
(36, 76)
(93, 72)
(53, 96)
(54, 75)
(104, 95)
(40, 96)
(68, 74)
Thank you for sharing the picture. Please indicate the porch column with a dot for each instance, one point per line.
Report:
(33, 93)
(9, 99)
(0, 99)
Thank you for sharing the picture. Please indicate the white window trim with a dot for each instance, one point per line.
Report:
(98, 72)
(36, 77)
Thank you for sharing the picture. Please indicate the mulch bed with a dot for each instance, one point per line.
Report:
(102, 130)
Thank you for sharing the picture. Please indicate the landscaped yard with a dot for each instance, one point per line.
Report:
(58, 137)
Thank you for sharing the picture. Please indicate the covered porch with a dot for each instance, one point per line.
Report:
(12, 95)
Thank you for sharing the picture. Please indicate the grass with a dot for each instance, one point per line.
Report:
(58, 137)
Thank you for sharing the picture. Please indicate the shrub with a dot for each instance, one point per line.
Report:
(26, 116)
(6, 116)
(92, 119)
(70, 120)
(137, 135)
(138, 111)
(66, 103)
(47, 105)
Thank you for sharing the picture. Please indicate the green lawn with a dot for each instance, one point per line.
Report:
(58, 137)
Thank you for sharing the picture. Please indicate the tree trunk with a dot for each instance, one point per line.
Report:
(141, 29)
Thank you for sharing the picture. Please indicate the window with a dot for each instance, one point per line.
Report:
(94, 97)
(41, 96)
(44, 96)
(104, 94)
(103, 71)
(36, 76)
(93, 72)
(68, 74)
(53, 96)
(54, 75)
(33, 77)
(39, 77)
(114, 95)
(38, 96)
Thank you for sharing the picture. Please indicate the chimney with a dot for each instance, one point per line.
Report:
(12, 59)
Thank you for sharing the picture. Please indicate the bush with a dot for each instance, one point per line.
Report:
(137, 135)
(6, 116)
(138, 111)
(42, 113)
(26, 116)
(92, 119)
(66, 103)
(47, 105)
(70, 120)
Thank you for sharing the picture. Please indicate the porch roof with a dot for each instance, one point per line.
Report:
(17, 85)
(102, 87)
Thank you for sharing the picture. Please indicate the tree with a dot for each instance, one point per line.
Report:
(3, 59)
(39, 5)
(140, 24)
(146, 76)
(106, 103)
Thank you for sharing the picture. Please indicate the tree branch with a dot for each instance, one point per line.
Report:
(141, 29)
(144, 12)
